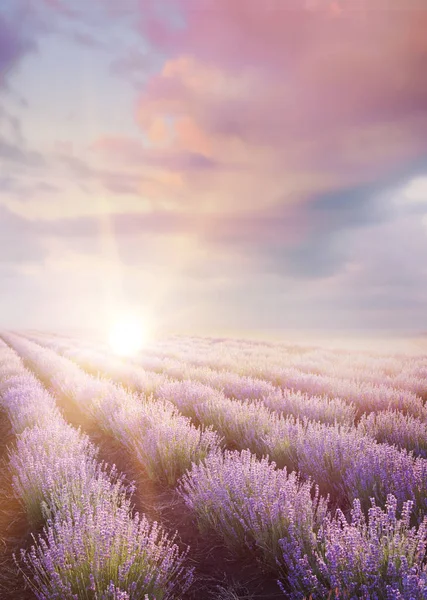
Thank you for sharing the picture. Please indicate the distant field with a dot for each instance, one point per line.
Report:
(243, 468)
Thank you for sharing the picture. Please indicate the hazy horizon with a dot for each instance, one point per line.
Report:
(381, 342)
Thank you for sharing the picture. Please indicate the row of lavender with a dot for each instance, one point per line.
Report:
(255, 424)
(274, 383)
(264, 379)
(92, 546)
(251, 504)
(274, 361)
(311, 370)
(164, 442)
(220, 353)
(328, 368)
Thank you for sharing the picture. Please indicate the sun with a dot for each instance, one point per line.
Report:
(128, 336)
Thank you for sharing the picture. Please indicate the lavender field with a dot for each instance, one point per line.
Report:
(211, 468)
(213, 334)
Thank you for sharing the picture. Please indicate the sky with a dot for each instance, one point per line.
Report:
(216, 164)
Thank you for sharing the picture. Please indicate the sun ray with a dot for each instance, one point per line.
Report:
(128, 336)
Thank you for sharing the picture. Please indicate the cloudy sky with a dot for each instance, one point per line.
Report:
(224, 164)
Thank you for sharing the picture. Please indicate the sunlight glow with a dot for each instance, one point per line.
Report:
(128, 336)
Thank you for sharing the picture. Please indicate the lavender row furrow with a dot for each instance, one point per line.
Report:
(241, 380)
(318, 408)
(406, 372)
(251, 422)
(255, 507)
(92, 546)
(346, 462)
(258, 508)
(162, 440)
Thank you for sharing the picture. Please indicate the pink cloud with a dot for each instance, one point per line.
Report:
(257, 109)
(131, 152)
(287, 105)
(290, 81)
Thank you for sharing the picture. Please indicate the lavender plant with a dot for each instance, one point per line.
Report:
(95, 551)
(26, 401)
(348, 465)
(393, 427)
(315, 408)
(377, 557)
(251, 504)
(45, 461)
(166, 443)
